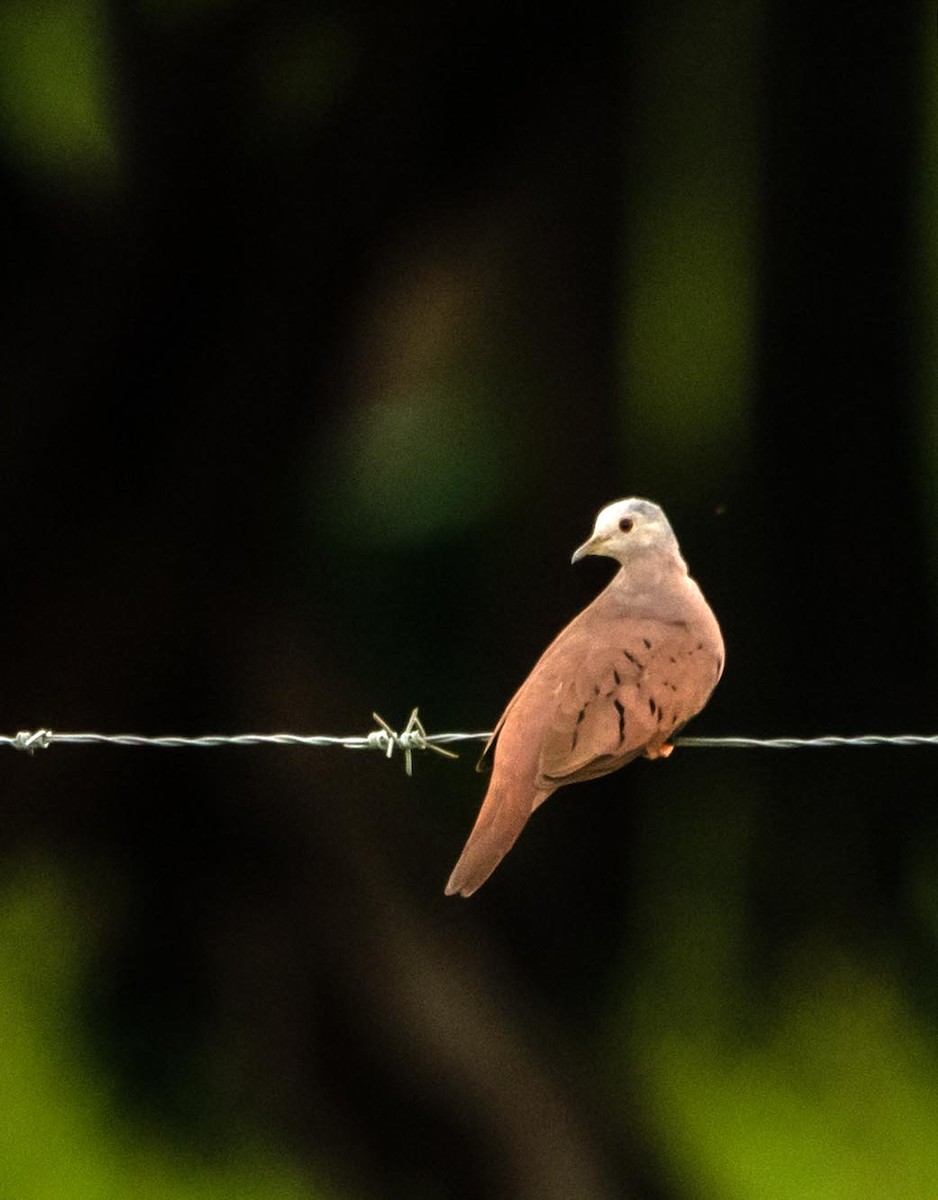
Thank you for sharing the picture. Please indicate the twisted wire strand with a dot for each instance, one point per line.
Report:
(793, 743)
(386, 739)
(414, 737)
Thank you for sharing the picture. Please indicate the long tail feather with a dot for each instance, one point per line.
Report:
(501, 818)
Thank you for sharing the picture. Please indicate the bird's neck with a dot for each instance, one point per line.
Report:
(648, 579)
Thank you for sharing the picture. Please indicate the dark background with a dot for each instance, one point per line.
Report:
(326, 329)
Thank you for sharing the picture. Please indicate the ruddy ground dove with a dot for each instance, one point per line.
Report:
(620, 681)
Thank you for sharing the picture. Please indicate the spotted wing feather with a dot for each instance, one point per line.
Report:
(626, 698)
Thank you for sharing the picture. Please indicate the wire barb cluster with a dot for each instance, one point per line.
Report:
(414, 737)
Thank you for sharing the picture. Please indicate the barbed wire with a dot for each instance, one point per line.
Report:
(414, 737)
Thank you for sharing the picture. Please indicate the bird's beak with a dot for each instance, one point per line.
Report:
(593, 546)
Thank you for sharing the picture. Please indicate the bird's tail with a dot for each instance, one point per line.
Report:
(504, 813)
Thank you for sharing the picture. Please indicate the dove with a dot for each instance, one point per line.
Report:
(618, 682)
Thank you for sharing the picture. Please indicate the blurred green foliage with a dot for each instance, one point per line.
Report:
(827, 1089)
(63, 1132)
(691, 265)
(57, 103)
(837, 1100)
(417, 457)
(414, 466)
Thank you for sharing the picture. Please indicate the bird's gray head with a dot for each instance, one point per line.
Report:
(630, 528)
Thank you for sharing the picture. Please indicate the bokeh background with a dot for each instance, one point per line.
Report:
(326, 329)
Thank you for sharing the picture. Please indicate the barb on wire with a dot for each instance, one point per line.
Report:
(414, 737)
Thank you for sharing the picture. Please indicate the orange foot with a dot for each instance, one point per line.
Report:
(661, 752)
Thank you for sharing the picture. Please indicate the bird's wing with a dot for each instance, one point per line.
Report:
(626, 695)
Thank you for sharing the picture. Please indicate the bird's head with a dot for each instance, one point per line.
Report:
(630, 528)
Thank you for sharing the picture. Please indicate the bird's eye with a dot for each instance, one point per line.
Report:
(626, 524)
